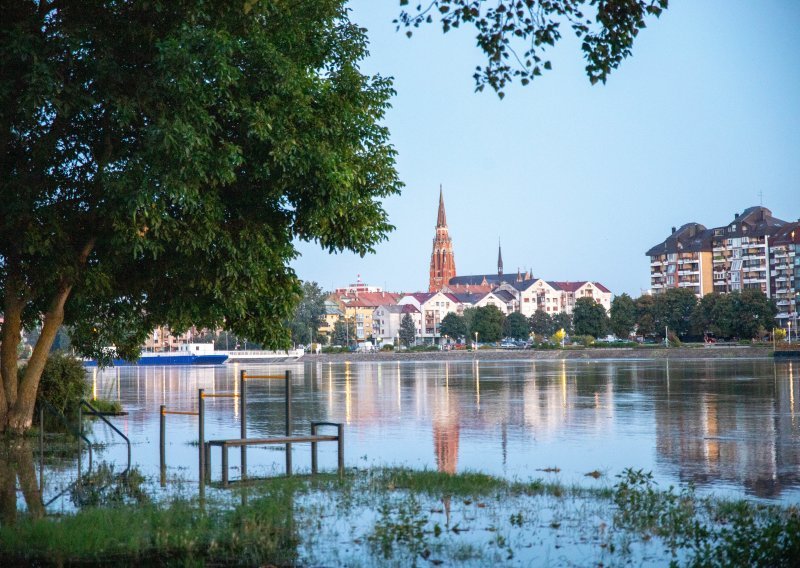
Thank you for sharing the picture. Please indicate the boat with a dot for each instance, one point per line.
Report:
(187, 354)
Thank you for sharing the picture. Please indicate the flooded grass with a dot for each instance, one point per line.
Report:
(400, 517)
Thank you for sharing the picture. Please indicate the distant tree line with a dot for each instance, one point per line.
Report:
(745, 315)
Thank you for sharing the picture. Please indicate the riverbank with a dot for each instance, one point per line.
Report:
(569, 353)
(399, 517)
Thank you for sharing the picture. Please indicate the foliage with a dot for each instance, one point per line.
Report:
(469, 319)
(645, 322)
(161, 160)
(623, 316)
(344, 332)
(563, 320)
(558, 337)
(747, 314)
(673, 309)
(63, 382)
(516, 326)
(585, 340)
(104, 487)
(779, 334)
(515, 35)
(541, 323)
(400, 523)
(387, 347)
(309, 314)
(589, 318)
(408, 331)
(106, 406)
(453, 325)
(488, 322)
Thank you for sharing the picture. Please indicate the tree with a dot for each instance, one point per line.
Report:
(673, 309)
(309, 314)
(453, 325)
(488, 322)
(160, 159)
(469, 319)
(344, 332)
(589, 318)
(645, 322)
(515, 34)
(408, 331)
(516, 326)
(623, 316)
(755, 313)
(562, 320)
(541, 323)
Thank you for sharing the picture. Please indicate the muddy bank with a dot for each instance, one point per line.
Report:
(711, 352)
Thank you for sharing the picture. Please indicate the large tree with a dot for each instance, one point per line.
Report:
(453, 326)
(159, 160)
(516, 326)
(408, 331)
(673, 310)
(589, 318)
(645, 322)
(309, 314)
(515, 34)
(623, 316)
(488, 322)
(541, 323)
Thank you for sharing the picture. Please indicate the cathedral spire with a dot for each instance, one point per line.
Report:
(499, 259)
(443, 263)
(441, 219)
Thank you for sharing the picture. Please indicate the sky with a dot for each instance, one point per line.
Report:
(578, 181)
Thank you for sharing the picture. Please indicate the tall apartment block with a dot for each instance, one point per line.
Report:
(754, 251)
(683, 260)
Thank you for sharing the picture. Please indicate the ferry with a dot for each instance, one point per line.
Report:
(188, 354)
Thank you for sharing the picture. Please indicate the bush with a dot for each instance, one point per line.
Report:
(387, 347)
(585, 340)
(63, 383)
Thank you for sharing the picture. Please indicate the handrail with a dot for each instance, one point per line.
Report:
(97, 413)
(78, 434)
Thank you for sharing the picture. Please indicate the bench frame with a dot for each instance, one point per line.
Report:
(314, 438)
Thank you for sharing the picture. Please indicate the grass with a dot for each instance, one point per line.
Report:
(400, 517)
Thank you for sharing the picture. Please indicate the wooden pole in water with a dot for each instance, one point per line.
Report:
(288, 421)
(243, 415)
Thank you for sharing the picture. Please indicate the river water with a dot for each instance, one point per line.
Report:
(731, 427)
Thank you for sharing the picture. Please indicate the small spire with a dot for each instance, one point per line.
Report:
(499, 258)
(441, 219)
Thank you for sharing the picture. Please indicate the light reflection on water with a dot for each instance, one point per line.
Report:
(729, 426)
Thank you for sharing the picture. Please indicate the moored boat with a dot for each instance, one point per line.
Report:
(188, 354)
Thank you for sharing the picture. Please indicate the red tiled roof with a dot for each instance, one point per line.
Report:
(567, 286)
(371, 299)
(602, 288)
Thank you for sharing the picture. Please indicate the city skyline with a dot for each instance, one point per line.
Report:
(580, 181)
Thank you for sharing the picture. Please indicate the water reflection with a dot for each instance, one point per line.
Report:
(730, 426)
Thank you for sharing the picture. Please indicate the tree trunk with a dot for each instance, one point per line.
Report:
(20, 415)
(12, 326)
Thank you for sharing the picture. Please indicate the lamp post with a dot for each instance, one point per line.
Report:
(476, 340)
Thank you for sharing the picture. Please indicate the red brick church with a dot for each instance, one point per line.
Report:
(443, 263)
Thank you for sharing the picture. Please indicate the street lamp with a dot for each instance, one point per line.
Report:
(476, 340)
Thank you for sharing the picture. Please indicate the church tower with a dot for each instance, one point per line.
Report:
(443, 263)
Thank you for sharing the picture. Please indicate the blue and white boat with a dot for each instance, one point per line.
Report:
(188, 354)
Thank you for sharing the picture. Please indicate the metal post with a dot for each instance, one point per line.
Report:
(313, 450)
(243, 414)
(225, 464)
(288, 421)
(80, 440)
(340, 434)
(162, 445)
(201, 434)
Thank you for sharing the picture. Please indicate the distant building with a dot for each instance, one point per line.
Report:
(443, 261)
(755, 251)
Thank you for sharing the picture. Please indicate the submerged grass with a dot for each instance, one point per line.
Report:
(400, 517)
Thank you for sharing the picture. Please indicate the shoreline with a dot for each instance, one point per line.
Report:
(585, 354)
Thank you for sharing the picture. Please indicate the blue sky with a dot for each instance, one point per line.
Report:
(578, 181)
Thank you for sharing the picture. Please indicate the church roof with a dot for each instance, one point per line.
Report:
(441, 218)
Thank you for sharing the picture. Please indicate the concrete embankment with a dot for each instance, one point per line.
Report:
(710, 352)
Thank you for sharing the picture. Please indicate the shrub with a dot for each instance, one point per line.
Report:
(387, 347)
(63, 383)
(585, 340)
